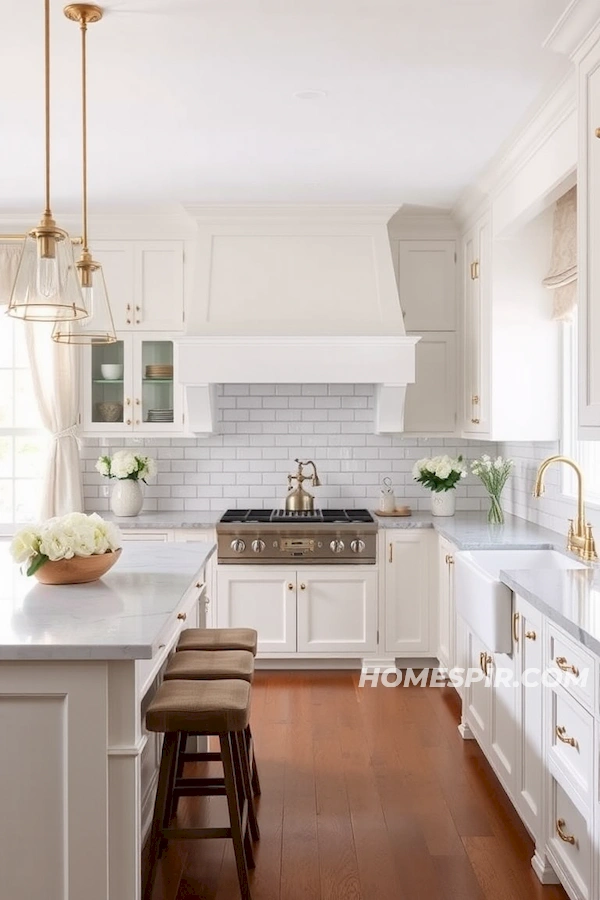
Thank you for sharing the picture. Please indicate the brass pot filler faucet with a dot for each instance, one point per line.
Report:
(580, 539)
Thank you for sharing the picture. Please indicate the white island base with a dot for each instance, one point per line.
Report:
(78, 665)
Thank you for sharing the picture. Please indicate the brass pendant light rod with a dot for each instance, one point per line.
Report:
(47, 100)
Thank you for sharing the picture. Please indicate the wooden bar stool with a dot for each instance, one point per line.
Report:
(183, 708)
(218, 639)
(206, 665)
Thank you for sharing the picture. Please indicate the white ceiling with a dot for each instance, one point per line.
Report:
(192, 100)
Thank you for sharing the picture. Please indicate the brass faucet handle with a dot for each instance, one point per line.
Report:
(589, 547)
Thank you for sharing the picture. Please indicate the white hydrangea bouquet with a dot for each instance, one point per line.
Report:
(64, 538)
(493, 474)
(440, 475)
(124, 464)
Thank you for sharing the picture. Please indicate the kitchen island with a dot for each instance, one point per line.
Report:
(78, 666)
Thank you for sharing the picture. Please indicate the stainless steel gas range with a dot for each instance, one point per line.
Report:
(279, 536)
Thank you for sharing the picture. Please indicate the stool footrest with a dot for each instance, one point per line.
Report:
(183, 834)
(200, 757)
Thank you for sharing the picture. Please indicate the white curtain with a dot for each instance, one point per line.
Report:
(55, 375)
(562, 277)
(9, 263)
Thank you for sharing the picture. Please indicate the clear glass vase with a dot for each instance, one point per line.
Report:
(495, 513)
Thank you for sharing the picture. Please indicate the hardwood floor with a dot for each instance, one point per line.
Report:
(368, 794)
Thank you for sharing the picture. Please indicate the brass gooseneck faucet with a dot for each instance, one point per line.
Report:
(580, 539)
(299, 499)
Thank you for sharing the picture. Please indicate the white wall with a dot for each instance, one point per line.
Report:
(264, 427)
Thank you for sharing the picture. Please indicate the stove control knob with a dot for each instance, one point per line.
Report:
(238, 546)
(336, 546)
(357, 546)
(258, 546)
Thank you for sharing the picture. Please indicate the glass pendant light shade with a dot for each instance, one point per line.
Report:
(46, 288)
(98, 327)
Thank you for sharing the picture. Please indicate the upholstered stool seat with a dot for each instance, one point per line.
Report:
(211, 665)
(218, 639)
(212, 707)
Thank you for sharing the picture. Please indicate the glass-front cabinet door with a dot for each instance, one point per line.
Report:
(107, 400)
(157, 404)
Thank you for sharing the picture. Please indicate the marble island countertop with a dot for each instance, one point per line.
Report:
(122, 616)
(570, 599)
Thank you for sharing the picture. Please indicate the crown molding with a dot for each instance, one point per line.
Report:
(541, 122)
(285, 212)
(573, 28)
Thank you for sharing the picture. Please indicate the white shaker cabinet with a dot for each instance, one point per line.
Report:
(410, 608)
(329, 610)
(588, 240)
(145, 283)
(337, 609)
(427, 284)
(477, 247)
(431, 401)
(260, 597)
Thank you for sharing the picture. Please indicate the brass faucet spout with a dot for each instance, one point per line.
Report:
(580, 539)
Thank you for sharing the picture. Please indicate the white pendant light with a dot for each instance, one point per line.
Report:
(98, 328)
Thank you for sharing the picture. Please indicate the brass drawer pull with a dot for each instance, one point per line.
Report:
(516, 617)
(567, 838)
(530, 635)
(391, 557)
(561, 734)
(561, 662)
(182, 616)
(449, 559)
(475, 421)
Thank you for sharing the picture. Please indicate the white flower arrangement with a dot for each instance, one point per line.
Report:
(64, 537)
(439, 473)
(125, 464)
(493, 473)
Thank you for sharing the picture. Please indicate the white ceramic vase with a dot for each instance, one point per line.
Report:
(443, 503)
(127, 497)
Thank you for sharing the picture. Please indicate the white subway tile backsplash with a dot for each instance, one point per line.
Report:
(263, 428)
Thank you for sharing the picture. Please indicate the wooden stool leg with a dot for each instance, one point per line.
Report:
(179, 766)
(245, 773)
(162, 806)
(235, 813)
(252, 757)
(242, 801)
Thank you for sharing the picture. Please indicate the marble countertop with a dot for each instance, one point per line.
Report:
(471, 531)
(165, 520)
(122, 616)
(569, 598)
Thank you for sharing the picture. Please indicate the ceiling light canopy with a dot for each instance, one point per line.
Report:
(98, 327)
(46, 287)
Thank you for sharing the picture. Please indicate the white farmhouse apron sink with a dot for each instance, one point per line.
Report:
(483, 601)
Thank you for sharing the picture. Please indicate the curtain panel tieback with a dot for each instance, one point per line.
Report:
(71, 431)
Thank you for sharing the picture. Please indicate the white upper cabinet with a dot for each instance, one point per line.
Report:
(145, 283)
(431, 400)
(427, 284)
(588, 229)
(511, 346)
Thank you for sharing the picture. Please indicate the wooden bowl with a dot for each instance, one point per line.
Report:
(78, 570)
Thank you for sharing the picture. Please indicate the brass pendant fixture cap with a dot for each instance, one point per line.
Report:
(86, 13)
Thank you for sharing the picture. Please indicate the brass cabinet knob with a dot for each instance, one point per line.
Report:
(290, 586)
(127, 401)
(597, 132)
(128, 422)
(562, 663)
(530, 635)
(561, 734)
(182, 616)
(475, 421)
(449, 559)
(137, 401)
(303, 587)
(567, 838)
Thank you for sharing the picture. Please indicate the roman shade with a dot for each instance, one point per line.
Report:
(562, 276)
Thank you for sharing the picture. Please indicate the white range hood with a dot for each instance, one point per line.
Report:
(295, 295)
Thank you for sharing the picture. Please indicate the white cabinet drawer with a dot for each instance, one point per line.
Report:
(571, 741)
(570, 842)
(572, 665)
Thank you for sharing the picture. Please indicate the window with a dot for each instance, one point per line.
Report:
(23, 443)
(586, 453)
